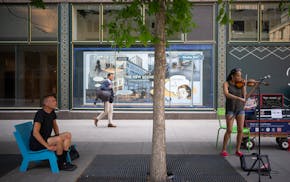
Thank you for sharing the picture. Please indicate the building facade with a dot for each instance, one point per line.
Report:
(66, 49)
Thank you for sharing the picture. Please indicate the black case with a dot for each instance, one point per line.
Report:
(248, 160)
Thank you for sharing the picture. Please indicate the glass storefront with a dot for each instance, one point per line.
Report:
(275, 23)
(189, 73)
(44, 23)
(86, 24)
(259, 22)
(189, 76)
(27, 73)
(28, 54)
(204, 29)
(150, 23)
(109, 14)
(13, 19)
(245, 22)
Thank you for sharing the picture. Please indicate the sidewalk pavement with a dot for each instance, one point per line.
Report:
(134, 137)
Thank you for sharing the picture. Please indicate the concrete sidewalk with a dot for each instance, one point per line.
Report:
(134, 137)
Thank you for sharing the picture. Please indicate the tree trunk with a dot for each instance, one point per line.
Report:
(158, 171)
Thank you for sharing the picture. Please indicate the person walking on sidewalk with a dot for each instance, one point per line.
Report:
(107, 86)
(44, 122)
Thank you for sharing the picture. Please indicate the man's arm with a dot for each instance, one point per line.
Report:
(55, 128)
(39, 138)
(105, 85)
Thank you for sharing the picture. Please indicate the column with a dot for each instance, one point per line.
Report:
(221, 64)
(63, 84)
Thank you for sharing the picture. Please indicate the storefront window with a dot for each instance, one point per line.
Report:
(151, 24)
(44, 23)
(109, 14)
(177, 36)
(275, 23)
(204, 26)
(245, 22)
(14, 23)
(188, 76)
(27, 73)
(86, 23)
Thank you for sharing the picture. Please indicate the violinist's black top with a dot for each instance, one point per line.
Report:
(234, 105)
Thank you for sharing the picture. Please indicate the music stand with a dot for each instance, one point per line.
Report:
(266, 168)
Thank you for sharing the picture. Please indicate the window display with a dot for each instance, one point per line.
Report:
(134, 76)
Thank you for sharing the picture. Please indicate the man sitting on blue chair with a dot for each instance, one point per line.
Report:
(44, 122)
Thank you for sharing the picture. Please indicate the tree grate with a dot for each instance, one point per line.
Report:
(185, 168)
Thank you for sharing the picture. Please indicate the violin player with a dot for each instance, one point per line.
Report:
(235, 91)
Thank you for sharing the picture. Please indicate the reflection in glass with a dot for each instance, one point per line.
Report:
(275, 23)
(204, 26)
(27, 77)
(245, 18)
(44, 23)
(109, 15)
(86, 25)
(151, 24)
(177, 36)
(14, 23)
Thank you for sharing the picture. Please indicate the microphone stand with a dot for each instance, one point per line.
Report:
(258, 156)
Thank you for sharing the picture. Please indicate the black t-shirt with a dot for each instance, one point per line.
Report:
(46, 121)
(234, 105)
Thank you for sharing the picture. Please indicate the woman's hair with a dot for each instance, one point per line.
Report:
(187, 88)
(233, 72)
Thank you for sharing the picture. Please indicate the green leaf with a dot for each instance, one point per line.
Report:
(221, 14)
(128, 26)
(153, 7)
(220, 1)
(145, 35)
(38, 4)
(225, 19)
(178, 17)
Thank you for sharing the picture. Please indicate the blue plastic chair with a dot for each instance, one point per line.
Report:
(22, 135)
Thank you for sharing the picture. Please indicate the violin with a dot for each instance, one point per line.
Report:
(249, 82)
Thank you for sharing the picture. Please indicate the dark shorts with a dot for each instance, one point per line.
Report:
(235, 113)
(35, 146)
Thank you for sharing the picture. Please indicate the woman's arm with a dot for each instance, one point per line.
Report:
(252, 90)
(229, 95)
(244, 92)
